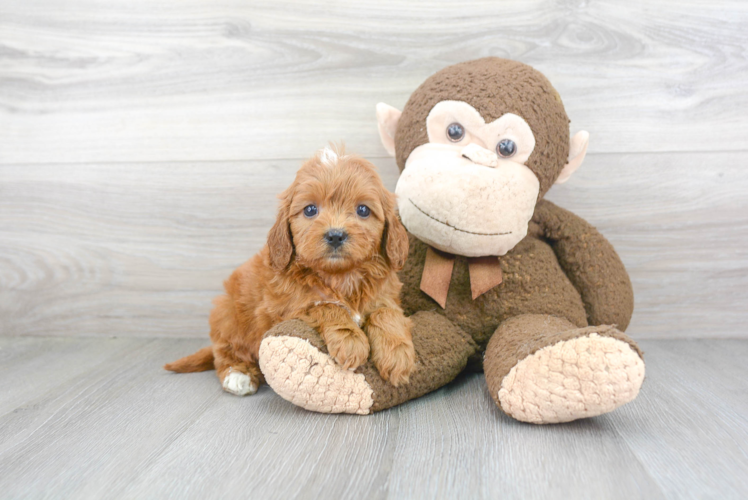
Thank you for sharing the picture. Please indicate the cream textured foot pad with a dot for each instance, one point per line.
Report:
(577, 378)
(309, 378)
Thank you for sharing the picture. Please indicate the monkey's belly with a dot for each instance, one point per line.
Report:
(533, 283)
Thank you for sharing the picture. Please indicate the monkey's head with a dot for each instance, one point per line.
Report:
(478, 144)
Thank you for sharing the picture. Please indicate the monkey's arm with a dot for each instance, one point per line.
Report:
(590, 262)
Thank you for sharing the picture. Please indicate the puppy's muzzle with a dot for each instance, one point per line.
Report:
(335, 238)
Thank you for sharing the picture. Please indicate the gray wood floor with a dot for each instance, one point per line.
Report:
(142, 143)
(99, 418)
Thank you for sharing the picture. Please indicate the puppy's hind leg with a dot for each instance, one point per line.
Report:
(241, 378)
(239, 383)
(233, 356)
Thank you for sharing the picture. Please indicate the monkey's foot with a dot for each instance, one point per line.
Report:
(297, 365)
(589, 372)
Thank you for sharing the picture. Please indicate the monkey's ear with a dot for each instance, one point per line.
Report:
(280, 243)
(577, 152)
(387, 118)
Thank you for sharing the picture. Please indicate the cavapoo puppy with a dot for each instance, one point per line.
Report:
(331, 260)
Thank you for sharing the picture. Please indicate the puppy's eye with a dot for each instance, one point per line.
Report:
(363, 211)
(506, 148)
(310, 211)
(455, 132)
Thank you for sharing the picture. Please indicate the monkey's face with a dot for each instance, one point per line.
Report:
(468, 191)
(478, 144)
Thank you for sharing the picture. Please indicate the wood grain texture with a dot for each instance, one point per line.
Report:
(103, 81)
(141, 249)
(693, 403)
(126, 429)
(31, 367)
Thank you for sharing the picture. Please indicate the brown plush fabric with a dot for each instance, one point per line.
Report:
(299, 329)
(494, 87)
(442, 350)
(591, 263)
(564, 268)
(533, 283)
(524, 335)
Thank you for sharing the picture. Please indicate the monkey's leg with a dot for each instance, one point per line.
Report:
(543, 369)
(296, 364)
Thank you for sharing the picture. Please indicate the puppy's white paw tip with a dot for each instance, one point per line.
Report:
(239, 383)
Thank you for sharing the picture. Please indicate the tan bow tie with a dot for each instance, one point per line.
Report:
(485, 273)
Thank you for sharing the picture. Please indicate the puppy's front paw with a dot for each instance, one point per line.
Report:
(350, 348)
(239, 384)
(396, 363)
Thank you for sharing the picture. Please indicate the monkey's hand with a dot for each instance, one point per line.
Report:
(296, 363)
(590, 262)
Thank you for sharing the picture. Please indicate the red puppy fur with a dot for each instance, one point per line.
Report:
(331, 260)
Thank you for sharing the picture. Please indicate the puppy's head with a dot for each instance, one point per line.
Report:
(336, 215)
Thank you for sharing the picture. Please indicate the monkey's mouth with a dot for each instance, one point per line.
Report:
(453, 227)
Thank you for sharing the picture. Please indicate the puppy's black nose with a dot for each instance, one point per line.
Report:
(335, 237)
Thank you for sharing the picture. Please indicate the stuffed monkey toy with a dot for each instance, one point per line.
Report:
(496, 277)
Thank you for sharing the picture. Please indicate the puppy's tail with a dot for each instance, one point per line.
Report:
(201, 361)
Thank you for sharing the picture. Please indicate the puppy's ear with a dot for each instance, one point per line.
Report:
(394, 237)
(280, 243)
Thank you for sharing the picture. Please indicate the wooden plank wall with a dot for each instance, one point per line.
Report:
(142, 142)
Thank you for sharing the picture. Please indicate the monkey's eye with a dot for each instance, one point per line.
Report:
(310, 211)
(455, 132)
(506, 148)
(363, 211)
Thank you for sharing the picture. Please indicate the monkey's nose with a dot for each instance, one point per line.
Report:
(335, 237)
(481, 156)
